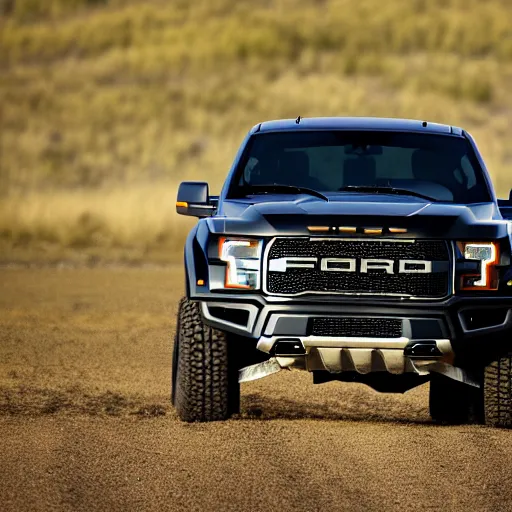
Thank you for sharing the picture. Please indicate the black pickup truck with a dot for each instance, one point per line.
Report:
(358, 249)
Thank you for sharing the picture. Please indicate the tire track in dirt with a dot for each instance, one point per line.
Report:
(126, 463)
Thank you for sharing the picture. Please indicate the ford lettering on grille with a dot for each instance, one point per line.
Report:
(363, 265)
(403, 268)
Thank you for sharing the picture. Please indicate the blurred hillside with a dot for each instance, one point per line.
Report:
(107, 104)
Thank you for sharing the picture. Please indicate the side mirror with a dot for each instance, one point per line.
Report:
(194, 200)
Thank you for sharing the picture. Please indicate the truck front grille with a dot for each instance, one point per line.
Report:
(285, 278)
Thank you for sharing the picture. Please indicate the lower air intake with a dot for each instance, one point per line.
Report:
(357, 327)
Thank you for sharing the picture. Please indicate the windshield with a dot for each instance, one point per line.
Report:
(440, 167)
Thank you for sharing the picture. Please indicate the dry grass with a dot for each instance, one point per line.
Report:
(134, 223)
(78, 218)
(107, 104)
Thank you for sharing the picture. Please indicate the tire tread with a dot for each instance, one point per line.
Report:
(498, 393)
(204, 383)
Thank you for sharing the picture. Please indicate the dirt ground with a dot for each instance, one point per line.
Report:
(85, 420)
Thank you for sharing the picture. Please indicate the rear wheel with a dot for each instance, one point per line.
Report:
(453, 402)
(497, 391)
(205, 373)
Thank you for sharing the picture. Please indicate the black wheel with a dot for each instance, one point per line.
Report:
(497, 392)
(205, 374)
(452, 402)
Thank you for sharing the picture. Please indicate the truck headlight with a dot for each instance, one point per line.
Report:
(243, 261)
(488, 254)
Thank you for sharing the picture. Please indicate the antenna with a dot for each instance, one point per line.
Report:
(297, 121)
(424, 124)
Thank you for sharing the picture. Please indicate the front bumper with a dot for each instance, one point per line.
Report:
(460, 331)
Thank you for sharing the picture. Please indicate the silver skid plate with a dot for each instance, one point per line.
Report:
(259, 370)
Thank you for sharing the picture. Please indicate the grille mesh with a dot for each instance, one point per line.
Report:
(419, 250)
(302, 280)
(357, 327)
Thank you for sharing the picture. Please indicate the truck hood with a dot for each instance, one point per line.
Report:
(273, 214)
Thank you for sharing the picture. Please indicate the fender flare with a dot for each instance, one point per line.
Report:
(196, 256)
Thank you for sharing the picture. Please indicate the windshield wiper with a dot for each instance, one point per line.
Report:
(384, 190)
(283, 189)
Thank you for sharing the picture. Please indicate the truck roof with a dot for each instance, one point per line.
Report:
(356, 123)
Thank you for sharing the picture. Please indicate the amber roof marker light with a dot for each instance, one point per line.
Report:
(318, 229)
(373, 231)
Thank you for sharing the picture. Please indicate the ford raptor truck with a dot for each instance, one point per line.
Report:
(359, 250)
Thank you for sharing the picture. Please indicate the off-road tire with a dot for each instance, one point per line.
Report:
(205, 376)
(452, 402)
(497, 391)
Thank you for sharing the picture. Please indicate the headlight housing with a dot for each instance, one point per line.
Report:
(488, 254)
(243, 262)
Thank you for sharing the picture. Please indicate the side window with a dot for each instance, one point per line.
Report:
(469, 173)
(249, 171)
